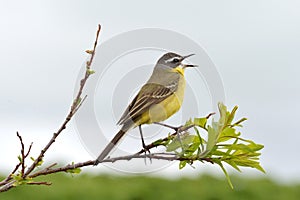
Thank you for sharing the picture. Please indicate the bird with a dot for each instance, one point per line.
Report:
(157, 100)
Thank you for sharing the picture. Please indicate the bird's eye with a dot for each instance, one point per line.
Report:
(176, 60)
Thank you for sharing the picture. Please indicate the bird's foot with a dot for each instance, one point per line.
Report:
(147, 152)
(177, 129)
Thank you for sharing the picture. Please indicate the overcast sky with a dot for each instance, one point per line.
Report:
(254, 44)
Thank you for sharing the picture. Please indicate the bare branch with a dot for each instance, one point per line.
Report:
(8, 183)
(75, 105)
(79, 105)
(94, 48)
(40, 183)
(157, 156)
(29, 149)
(7, 186)
(47, 171)
(9, 177)
(22, 158)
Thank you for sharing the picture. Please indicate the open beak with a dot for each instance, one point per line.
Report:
(188, 65)
(184, 57)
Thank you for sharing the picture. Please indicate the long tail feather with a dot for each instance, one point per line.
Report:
(110, 146)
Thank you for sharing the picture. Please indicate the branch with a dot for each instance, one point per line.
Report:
(75, 106)
(8, 183)
(9, 177)
(157, 156)
(139, 154)
(23, 155)
(21, 161)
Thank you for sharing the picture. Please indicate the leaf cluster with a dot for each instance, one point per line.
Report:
(219, 142)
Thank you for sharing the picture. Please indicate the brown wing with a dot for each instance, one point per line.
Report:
(149, 95)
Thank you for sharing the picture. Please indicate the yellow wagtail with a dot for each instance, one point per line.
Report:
(157, 100)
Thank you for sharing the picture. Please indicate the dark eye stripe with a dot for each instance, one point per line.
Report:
(173, 60)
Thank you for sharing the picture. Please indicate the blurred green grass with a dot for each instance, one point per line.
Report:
(204, 187)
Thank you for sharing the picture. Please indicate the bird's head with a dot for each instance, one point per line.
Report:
(173, 62)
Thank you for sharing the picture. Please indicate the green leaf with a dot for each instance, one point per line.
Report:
(192, 147)
(224, 144)
(19, 180)
(201, 140)
(201, 122)
(247, 163)
(78, 101)
(233, 164)
(223, 114)
(219, 153)
(183, 142)
(40, 163)
(241, 147)
(255, 147)
(227, 134)
(226, 174)
(230, 115)
(238, 123)
(74, 171)
(211, 140)
(90, 72)
(189, 122)
(158, 142)
(17, 177)
(182, 164)
(260, 168)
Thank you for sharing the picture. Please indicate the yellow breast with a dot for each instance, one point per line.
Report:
(167, 107)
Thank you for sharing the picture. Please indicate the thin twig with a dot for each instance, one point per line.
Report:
(22, 159)
(50, 166)
(39, 183)
(29, 149)
(7, 186)
(23, 155)
(8, 183)
(62, 169)
(9, 177)
(79, 105)
(209, 115)
(75, 105)
(94, 48)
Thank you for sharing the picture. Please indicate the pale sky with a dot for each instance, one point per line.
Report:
(254, 44)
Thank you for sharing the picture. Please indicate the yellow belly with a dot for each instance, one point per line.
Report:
(166, 108)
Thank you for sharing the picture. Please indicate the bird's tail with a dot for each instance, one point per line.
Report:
(110, 146)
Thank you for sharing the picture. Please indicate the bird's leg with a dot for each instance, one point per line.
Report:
(143, 142)
(141, 133)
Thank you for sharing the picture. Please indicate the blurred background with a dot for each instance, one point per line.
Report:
(254, 44)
